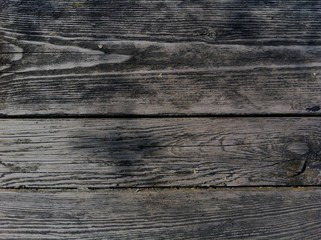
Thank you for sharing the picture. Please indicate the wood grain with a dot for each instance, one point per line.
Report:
(167, 214)
(98, 153)
(159, 57)
(92, 178)
(255, 22)
(150, 78)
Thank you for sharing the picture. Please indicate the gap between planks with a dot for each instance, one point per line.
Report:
(180, 188)
(312, 113)
(163, 188)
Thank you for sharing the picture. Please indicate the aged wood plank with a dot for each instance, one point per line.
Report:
(163, 214)
(139, 77)
(159, 57)
(102, 153)
(233, 21)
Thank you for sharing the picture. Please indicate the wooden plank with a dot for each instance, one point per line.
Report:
(159, 57)
(102, 153)
(166, 214)
(233, 21)
(136, 77)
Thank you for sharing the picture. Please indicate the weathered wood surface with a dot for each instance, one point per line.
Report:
(166, 214)
(98, 153)
(161, 78)
(256, 22)
(159, 57)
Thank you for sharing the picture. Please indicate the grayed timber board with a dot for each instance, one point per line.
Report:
(159, 57)
(162, 214)
(161, 78)
(103, 153)
(245, 22)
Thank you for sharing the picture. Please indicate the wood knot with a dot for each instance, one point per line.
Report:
(313, 109)
(300, 148)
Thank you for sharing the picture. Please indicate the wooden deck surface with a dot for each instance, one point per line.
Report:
(161, 119)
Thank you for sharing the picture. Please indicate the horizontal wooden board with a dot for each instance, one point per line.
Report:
(167, 214)
(137, 77)
(102, 153)
(233, 21)
(159, 57)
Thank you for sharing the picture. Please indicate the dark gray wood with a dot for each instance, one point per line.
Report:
(137, 77)
(98, 153)
(166, 214)
(233, 21)
(162, 57)
(159, 57)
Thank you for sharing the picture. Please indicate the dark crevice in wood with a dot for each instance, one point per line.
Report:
(302, 169)
(138, 189)
(146, 116)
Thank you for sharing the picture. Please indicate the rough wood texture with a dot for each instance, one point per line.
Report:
(159, 152)
(159, 57)
(233, 21)
(160, 78)
(167, 214)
